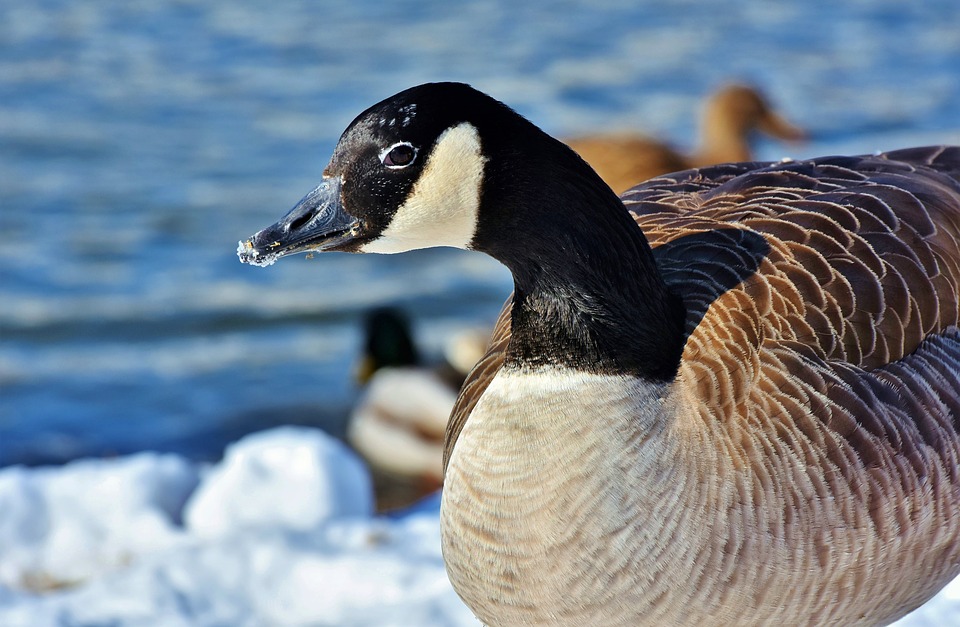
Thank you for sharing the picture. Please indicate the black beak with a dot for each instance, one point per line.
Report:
(317, 223)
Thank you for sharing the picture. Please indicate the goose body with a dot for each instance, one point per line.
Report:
(730, 116)
(730, 397)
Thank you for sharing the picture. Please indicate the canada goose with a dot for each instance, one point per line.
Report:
(729, 117)
(745, 411)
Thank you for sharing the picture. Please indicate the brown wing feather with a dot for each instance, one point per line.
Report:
(867, 246)
(479, 378)
(834, 366)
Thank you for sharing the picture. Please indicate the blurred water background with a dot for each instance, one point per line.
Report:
(140, 140)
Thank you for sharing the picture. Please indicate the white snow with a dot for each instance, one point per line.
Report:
(279, 533)
(289, 477)
(76, 522)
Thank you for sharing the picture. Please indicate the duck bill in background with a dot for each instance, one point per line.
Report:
(317, 223)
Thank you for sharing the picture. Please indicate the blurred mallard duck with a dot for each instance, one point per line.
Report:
(398, 425)
(729, 117)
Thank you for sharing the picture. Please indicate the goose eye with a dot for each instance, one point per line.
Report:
(399, 155)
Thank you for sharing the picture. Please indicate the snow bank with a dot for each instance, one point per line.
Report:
(279, 533)
(154, 540)
(64, 525)
(290, 477)
(356, 572)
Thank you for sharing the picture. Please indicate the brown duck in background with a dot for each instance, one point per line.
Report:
(730, 116)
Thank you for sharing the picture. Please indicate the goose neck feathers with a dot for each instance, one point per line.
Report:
(580, 267)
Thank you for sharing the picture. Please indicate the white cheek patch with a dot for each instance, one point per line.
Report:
(442, 207)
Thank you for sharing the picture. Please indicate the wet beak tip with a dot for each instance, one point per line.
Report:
(250, 255)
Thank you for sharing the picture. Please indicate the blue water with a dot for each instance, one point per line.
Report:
(140, 140)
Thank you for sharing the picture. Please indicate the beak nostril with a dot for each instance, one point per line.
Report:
(299, 221)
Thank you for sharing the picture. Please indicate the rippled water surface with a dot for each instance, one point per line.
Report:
(140, 140)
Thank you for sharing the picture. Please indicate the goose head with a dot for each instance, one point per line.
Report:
(414, 170)
(406, 174)
(443, 164)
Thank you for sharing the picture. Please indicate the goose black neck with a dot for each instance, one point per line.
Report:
(588, 294)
